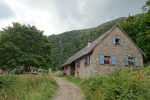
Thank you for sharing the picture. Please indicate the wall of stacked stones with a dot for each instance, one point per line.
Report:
(107, 48)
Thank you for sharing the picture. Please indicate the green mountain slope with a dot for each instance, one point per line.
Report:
(68, 43)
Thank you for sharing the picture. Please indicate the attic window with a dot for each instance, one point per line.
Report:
(117, 41)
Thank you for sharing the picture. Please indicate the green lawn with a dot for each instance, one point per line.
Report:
(26, 87)
(120, 85)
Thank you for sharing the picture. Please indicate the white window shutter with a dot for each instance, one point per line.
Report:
(114, 41)
(113, 60)
(121, 42)
(101, 59)
(136, 61)
(126, 60)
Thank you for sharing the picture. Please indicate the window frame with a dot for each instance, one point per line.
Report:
(87, 60)
(78, 63)
(111, 58)
(131, 61)
(117, 41)
(108, 58)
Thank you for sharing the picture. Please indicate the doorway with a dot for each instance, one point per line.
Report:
(72, 69)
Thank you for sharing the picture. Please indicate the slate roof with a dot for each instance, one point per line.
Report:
(86, 50)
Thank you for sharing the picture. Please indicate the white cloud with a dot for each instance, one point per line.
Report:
(57, 16)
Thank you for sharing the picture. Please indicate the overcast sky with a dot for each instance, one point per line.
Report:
(57, 16)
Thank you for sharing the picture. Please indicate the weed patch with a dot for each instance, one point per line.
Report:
(25, 87)
(120, 85)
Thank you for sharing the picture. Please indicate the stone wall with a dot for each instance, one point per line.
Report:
(107, 48)
(84, 71)
(66, 70)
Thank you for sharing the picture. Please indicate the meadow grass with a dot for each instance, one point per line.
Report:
(74, 79)
(120, 85)
(26, 87)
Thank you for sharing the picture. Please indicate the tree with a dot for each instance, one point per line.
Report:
(138, 28)
(26, 46)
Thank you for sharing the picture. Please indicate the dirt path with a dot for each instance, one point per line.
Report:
(67, 91)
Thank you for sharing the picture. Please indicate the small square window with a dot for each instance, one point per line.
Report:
(131, 61)
(106, 59)
(87, 60)
(78, 64)
(117, 41)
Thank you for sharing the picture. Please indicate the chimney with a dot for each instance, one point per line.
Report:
(89, 41)
(89, 44)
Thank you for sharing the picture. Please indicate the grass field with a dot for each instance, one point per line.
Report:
(133, 84)
(26, 87)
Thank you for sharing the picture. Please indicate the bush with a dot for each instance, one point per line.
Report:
(16, 71)
(132, 84)
(120, 85)
(92, 88)
(6, 81)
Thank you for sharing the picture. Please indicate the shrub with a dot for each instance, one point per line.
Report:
(132, 84)
(7, 81)
(120, 85)
(92, 88)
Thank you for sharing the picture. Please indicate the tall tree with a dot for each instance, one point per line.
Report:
(26, 46)
(138, 28)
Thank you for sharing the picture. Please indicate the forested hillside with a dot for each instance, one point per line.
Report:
(68, 43)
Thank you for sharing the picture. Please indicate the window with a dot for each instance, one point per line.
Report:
(106, 59)
(131, 61)
(78, 64)
(87, 60)
(117, 41)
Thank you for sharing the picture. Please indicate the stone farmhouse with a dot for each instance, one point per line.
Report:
(113, 50)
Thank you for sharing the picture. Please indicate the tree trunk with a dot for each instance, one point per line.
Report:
(27, 68)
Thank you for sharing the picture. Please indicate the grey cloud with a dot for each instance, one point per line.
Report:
(67, 11)
(5, 10)
(63, 8)
(94, 12)
(99, 11)
(68, 8)
(75, 14)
